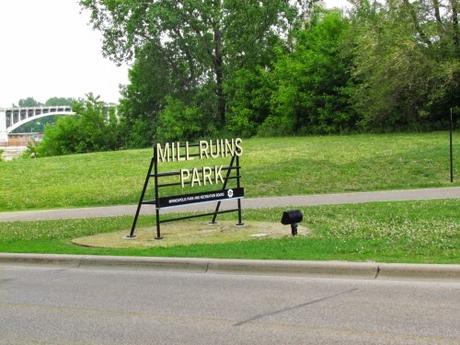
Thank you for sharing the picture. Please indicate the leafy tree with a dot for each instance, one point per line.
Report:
(273, 67)
(29, 102)
(152, 78)
(55, 101)
(207, 40)
(406, 64)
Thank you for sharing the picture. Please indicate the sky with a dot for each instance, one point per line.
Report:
(48, 49)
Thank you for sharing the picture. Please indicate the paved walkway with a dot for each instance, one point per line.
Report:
(266, 202)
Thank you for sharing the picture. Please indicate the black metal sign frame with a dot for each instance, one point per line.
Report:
(187, 199)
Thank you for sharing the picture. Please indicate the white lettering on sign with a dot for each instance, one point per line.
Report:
(207, 149)
(173, 152)
(203, 176)
(220, 148)
(200, 197)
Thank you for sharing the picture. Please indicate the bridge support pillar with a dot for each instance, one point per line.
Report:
(3, 132)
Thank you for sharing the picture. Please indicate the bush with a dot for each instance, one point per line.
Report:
(93, 128)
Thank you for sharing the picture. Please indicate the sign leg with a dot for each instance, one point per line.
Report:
(141, 200)
(157, 218)
(240, 222)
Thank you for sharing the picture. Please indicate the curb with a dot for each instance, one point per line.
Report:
(323, 269)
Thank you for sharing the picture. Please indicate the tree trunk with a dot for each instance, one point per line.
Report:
(437, 14)
(455, 33)
(413, 15)
(218, 70)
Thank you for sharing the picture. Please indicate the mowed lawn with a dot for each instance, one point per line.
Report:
(420, 231)
(270, 166)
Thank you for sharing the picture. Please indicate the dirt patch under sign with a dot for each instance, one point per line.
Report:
(191, 232)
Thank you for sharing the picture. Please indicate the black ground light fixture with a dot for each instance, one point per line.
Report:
(292, 218)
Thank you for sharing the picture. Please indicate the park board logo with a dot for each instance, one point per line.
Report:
(230, 193)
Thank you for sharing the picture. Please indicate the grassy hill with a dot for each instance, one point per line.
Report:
(271, 166)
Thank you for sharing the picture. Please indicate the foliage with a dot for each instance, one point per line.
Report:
(31, 150)
(180, 122)
(283, 67)
(63, 101)
(93, 128)
(249, 93)
(204, 42)
(53, 101)
(311, 80)
(29, 102)
(406, 65)
(152, 77)
(305, 88)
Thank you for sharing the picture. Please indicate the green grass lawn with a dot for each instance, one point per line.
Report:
(423, 231)
(271, 166)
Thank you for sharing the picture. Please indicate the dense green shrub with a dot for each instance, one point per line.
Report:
(249, 93)
(93, 128)
(312, 80)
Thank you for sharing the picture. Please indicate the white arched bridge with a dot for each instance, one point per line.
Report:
(12, 118)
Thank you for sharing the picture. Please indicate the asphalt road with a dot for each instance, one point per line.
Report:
(59, 305)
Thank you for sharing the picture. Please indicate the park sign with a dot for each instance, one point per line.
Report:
(197, 182)
(172, 152)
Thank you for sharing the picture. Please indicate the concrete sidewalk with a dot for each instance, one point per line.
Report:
(265, 202)
(322, 269)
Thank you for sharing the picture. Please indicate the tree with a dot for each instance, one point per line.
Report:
(206, 39)
(406, 63)
(29, 102)
(312, 79)
(152, 78)
(55, 101)
(250, 92)
(180, 122)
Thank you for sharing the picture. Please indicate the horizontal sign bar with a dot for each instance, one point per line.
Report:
(178, 200)
(197, 215)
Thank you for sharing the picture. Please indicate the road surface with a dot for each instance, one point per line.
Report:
(63, 305)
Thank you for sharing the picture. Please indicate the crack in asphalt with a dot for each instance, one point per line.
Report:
(260, 316)
(6, 280)
(377, 273)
